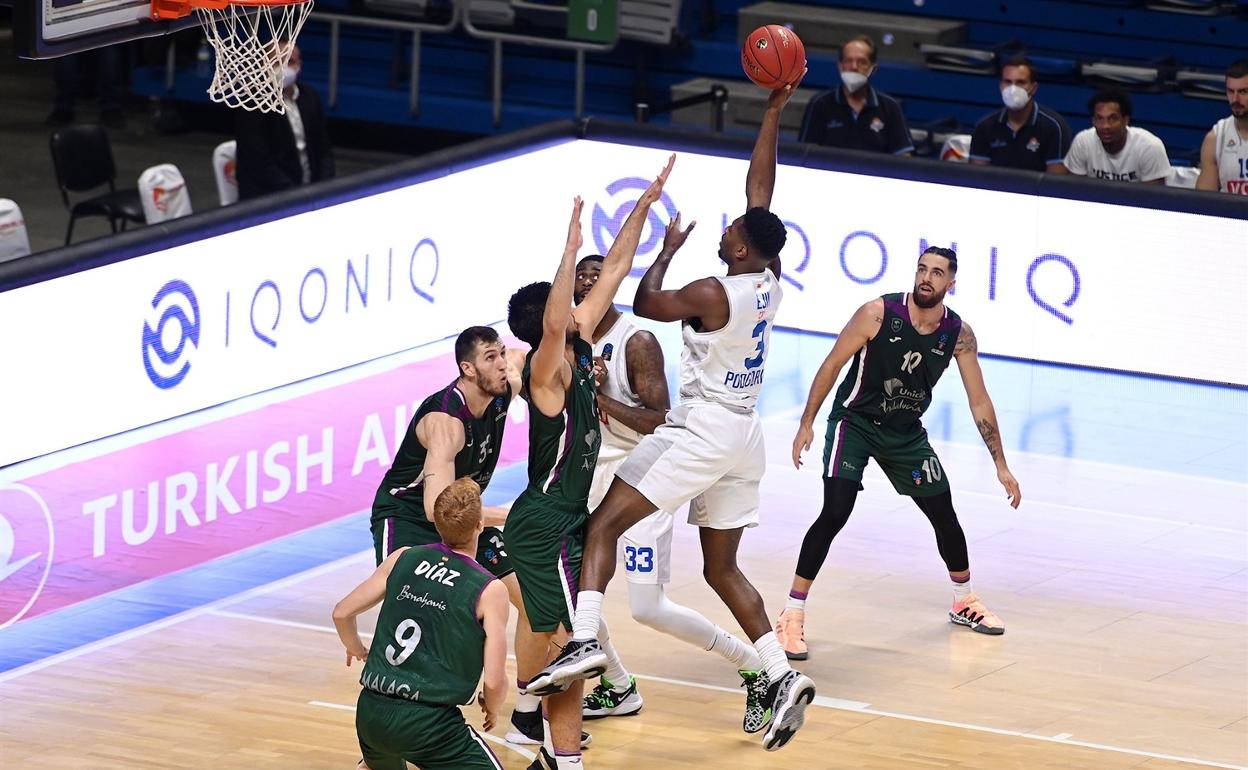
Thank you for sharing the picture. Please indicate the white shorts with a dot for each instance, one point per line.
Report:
(646, 547)
(707, 454)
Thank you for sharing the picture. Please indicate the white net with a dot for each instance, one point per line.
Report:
(253, 44)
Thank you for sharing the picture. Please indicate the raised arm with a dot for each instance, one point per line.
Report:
(492, 609)
(363, 596)
(619, 260)
(549, 370)
(760, 180)
(966, 352)
(648, 380)
(860, 330)
(442, 436)
(703, 299)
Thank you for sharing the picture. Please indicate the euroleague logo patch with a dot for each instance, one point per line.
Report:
(27, 540)
(165, 359)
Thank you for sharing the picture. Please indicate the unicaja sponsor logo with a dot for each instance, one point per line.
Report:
(173, 323)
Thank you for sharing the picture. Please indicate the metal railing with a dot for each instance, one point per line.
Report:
(717, 96)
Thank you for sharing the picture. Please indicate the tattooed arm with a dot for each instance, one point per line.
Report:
(966, 352)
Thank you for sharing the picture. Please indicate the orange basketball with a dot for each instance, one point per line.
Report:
(773, 56)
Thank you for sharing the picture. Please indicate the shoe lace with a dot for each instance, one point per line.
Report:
(600, 696)
(755, 688)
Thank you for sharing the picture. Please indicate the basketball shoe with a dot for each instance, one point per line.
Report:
(757, 715)
(791, 633)
(972, 613)
(787, 700)
(577, 660)
(606, 700)
(526, 730)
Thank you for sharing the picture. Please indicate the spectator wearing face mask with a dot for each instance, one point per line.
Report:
(1023, 134)
(277, 152)
(856, 116)
(1113, 148)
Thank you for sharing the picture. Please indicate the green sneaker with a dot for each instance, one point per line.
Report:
(757, 714)
(608, 701)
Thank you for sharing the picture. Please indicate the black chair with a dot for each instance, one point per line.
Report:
(83, 159)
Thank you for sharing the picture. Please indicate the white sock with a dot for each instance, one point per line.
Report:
(527, 703)
(774, 661)
(547, 742)
(793, 603)
(961, 591)
(588, 616)
(737, 652)
(572, 762)
(616, 674)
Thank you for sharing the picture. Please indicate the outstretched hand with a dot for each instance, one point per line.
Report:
(575, 239)
(655, 189)
(781, 96)
(674, 237)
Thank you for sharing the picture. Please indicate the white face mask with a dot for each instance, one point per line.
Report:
(289, 75)
(853, 81)
(1015, 97)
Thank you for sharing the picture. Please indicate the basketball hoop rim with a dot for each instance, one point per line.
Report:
(177, 9)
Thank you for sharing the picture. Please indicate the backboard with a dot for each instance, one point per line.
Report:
(43, 29)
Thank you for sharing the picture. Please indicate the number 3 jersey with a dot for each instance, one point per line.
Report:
(726, 366)
(428, 646)
(891, 378)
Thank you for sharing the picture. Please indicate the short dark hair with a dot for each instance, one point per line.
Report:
(1238, 69)
(466, 342)
(1019, 60)
(525, 311)
(764, 231)
(865, 40)
(1110, 94)
(590, 258)
(948, 254)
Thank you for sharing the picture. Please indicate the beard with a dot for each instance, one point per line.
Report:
(926, 301)
(488, 387)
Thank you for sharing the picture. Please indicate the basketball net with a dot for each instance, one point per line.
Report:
(253, 42)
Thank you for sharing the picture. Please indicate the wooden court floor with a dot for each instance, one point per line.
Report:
(1125, 595)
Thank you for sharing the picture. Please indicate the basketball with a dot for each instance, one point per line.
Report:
(773, 56)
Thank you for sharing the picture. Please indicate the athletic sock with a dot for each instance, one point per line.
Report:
(775, 663)
(961, 589)
(588, 616)
(616, 675)
(737, 652)
(526, 703)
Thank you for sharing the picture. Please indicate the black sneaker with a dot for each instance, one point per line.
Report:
(526, 730)
(543, 761)
(787, 700)
(577, 660)
(607, 701)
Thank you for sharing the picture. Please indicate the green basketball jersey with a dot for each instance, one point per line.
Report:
(402, 489)
(891, 378)
(429, 644)
(563, 450)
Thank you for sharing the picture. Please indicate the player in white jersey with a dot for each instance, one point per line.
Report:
(709, 452)
(1224, 153)
(633, 401)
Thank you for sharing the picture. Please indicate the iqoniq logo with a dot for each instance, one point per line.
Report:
(605, 226)
(164, 359)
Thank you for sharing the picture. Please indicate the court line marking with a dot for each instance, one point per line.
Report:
(491, 738)
(858, 707)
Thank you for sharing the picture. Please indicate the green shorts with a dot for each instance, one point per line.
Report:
(905, 455)
(430, 736)
(546, 539)
(392, 532)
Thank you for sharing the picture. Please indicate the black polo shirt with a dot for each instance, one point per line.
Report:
(1042, 141)
(880, 127)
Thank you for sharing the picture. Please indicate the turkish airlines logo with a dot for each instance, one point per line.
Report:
(27, 540)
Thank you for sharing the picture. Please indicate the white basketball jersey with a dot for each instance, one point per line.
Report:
(1231, 152)
(726, 366)
(611, 349)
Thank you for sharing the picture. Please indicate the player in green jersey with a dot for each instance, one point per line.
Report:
(900, 345)
(442, 624)
(546, 524)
